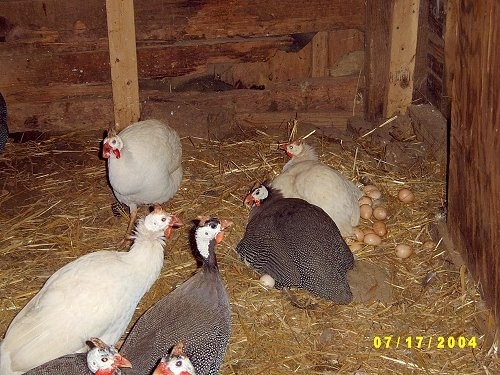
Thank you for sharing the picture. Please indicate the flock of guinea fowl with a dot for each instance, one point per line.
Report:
(294, 238)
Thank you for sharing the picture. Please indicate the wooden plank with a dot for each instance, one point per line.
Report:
(474, 165)
(65, 107)
(26, 65)
(175, 20)
(378, 17)
(123, 61)
(402, 56)
(319, 55)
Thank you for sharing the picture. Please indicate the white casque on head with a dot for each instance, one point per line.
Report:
(206, 233)
(260, 193)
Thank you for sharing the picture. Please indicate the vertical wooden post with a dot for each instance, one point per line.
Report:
(319, 63)
(378, 27)
(403, 54)
(123, 61)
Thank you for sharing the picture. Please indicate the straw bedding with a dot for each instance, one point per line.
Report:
(55, 206)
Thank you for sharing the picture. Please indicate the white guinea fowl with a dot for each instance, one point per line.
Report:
(305, 177)
(144, 164)
(177, 363)
(93, 296)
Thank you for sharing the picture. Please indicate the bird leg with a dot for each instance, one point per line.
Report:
(295, 302)
(127, 241)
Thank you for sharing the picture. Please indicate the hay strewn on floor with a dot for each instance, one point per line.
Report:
(55, 206)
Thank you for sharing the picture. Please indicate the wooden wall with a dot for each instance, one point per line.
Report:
(473, 55)
(55, 60)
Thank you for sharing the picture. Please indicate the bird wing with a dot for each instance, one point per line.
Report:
(65, 313)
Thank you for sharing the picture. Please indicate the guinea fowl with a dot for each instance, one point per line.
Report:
(304, 176)
(177, 363)
(197, 312)
(101, 359)
(144, 165)
(297, 244)
(95, 295)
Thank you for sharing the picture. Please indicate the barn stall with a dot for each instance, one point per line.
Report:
(399, 94)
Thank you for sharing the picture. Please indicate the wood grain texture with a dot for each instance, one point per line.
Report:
(123, 61)
(378, 26)
(474, 165)
(186, 20)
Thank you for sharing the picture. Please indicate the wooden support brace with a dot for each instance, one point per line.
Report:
(402, 56)
(123, 61)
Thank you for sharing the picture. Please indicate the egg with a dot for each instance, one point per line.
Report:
(403, 251)
(429, 245)
(372, 191)
(372, 239)
(406, 196)
(379, 228)
(379, 213)
(365, 211)
(359, 234)
(267, 281)
(355, 246)
(365, 200)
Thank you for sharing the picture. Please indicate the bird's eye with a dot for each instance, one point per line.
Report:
(113, 141)
(290, 147)
(213, 225)
(105, 359)
(178, 363)
(163, 219)
(257, 192)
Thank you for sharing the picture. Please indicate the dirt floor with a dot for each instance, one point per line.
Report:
(55, 205)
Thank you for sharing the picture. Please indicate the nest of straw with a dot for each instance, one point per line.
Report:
(56, 206)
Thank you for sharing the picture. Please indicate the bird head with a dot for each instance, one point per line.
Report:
(293, 148)
(176, 364)
(256, 196)
(104, 359)
(112, 145)
(159, 220)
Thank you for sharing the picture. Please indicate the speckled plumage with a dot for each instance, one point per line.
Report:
(196, 313)
(299, 245)
(4, 129)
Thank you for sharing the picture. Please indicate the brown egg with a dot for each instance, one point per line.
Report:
(355, 246)
(372, 191)
(403, 251)
(406, 196)
(379, 228)
(359, 234)
(365, 211)
(379, 213)
(372, 239)
(365, 200)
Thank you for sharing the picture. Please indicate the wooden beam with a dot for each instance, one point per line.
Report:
(378, 17)
(123, 61)
(474, 165)
(319, 55)
(404, 32)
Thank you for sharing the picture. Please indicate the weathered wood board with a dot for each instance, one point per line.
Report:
(474, 165)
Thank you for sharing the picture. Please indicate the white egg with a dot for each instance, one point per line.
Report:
(403, 251)
(267, 281)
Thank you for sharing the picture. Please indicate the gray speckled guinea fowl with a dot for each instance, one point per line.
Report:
(101, 359)
(4, 129)
(196, 313)
(297, 244)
